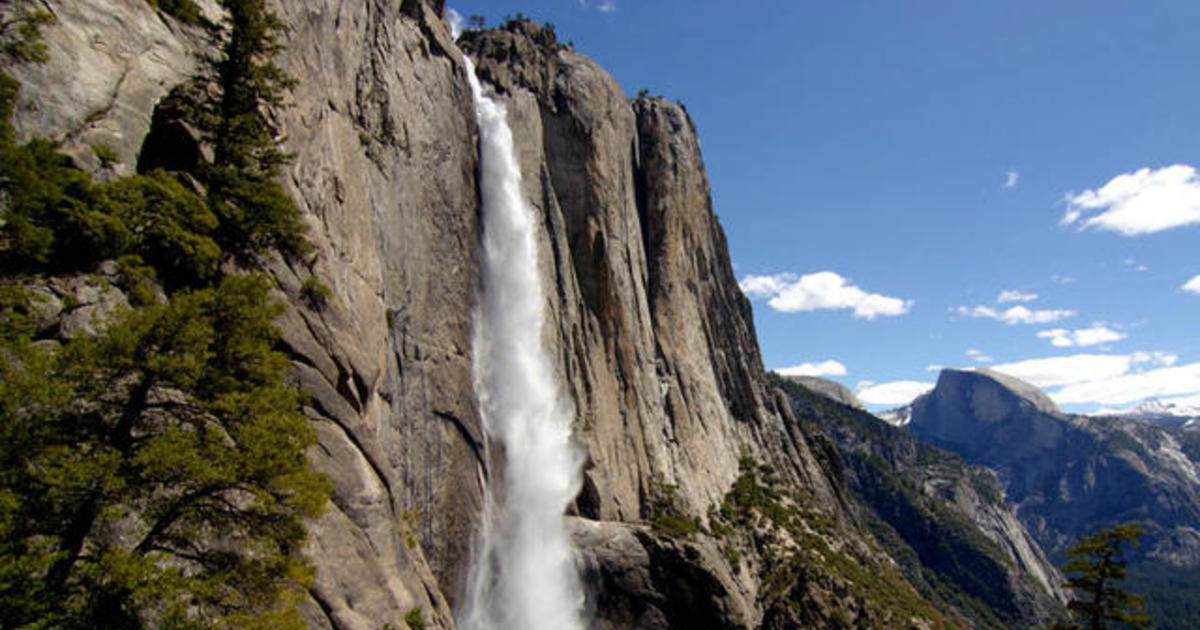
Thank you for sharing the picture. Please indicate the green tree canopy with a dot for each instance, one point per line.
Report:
(1095, 570)
(154, 475)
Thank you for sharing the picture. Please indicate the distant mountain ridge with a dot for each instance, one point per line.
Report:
(1157, 411)
(1070, 474)
(825, 387)
(945, 523)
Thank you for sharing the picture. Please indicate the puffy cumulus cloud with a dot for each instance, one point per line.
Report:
(1014, 315)
(1182, 381)
(1141, 202)
(824, 290)
(1012, 295)
(978, 356)
(766, 286)
(1192, 286)
(824, 368)
(893, 393)
(1011, 178)
(1081, 337)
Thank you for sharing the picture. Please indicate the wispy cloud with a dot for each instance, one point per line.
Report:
(1192, 286)
(1013, 315)
(1135, 265)
(1061, 279)
(892, 393)
(824, 290)
(978, 356)
(1141, 202)
(607, 6)
(934, 367)
(1011, 178)
(1081, 337)
(824, 368)
(1012, 295)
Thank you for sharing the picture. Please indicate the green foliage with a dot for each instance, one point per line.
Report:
(1096, 566)
(1170, 594)
(415, 619)
(20, 31)
(665, 516)
(186, 11)
(107, 155)
(229, 105)
(799, 544)
(169, 225)
(58, 217)
(155, 475)
(315, 292)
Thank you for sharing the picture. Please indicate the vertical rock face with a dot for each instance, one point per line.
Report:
(657, 342)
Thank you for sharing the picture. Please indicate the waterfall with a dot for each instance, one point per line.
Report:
(523, 576)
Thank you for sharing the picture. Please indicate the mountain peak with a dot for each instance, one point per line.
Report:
(1013, 385)
(830, 389)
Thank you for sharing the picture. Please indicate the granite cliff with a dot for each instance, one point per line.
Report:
(706, 501)
(946, 523)
(1069, 475)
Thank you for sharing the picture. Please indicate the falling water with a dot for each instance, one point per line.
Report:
(523, 576)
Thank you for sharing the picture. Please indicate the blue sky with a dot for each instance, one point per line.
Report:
(886, 170)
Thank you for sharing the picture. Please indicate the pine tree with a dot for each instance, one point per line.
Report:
(243, 83)
(155, 476)
(1096, 567)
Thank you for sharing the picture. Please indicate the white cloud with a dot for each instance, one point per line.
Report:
(1012, 295)
(978, 356)
(821, 291)
(1192, 286)
(607, 6)
(1156, 358)
(1108, 379)
(934, 367)
(766, 286)
(1097, 334)
(1068, 370)
(1061, 279)
(1011, 178)
(893, 393)
(1166, 381)
(1136, 266)
(1014, 315)
(1081, 368)
(1142, 202)
(824, 368)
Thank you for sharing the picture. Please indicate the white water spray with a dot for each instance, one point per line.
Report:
(523, 576)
